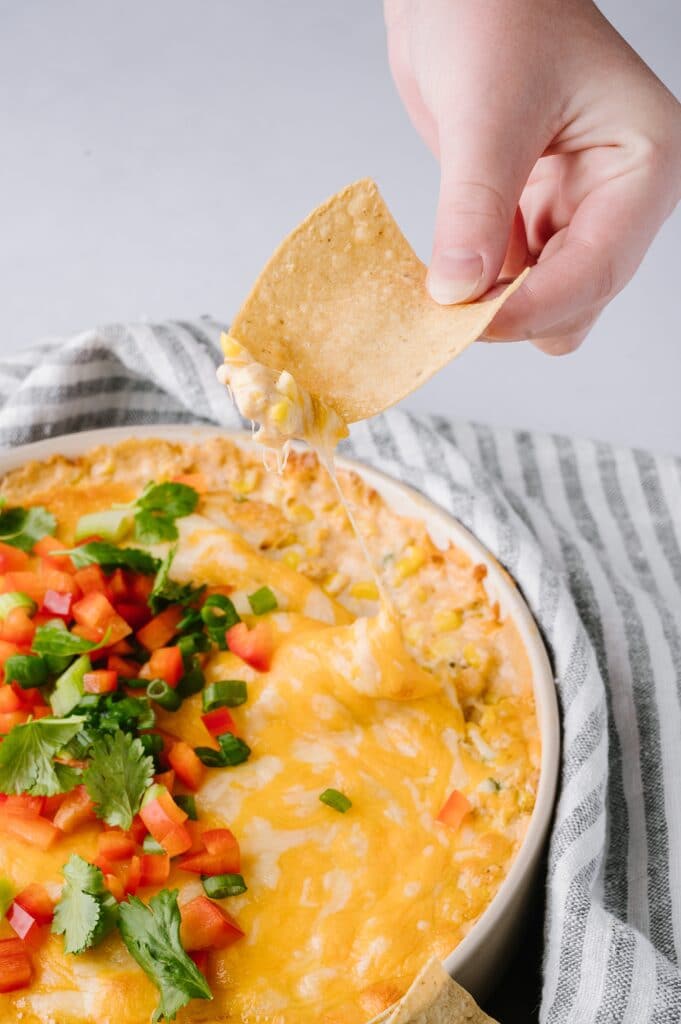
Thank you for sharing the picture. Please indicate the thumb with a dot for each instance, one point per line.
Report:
(483, 172)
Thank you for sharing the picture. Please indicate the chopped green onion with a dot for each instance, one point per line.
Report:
(219, 887)
(113, 525)
(210, 757)
(191, 621)
(154, 791)
(6, 896)
(28, 670)
(263, 600)
(226, 693)
(193, 643)
(133, 684)
(151, 846)
(152, 743)
(232, 751)
(218, 612)
(164, 695)
(233, 748)
(188, 804)
(333, 798)
(192, 681)
(68, 690)
(15, 599)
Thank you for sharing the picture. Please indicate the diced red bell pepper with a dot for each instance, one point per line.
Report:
(21, 921)
(118, 586)
(62, 582)
(8, 650)
(9, 700)
(29, 583)
(45, 548)
(131, 875)
(455, 809)
(140, 587)
(162, 814)
(36, 900)
(201, 958)
(155, 868)
(161, 629)
(15, 965)
(124, 669)
(52, 804)
(101, 680)
(12, 559)
(18, 627)
(40, 711)
(221, 855)
(178, 840)
(9, 719)
(165, 663)
(76, 810)
(33, 829)
(92, 580)
(136, 615)
(138, 829)
(205, 925)
(166, 779)
(254, 646)
(115, 886)
(122, 647)
(219, 721)
(188, 768)
(95, 611)
(24, 804)
(58, 603)
(30, 696)
(114, 846)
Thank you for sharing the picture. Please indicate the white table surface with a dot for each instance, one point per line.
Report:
(153, 153)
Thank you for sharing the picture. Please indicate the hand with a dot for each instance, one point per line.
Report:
(558, 148)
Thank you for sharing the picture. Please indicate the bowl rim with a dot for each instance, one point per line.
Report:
(442, 526)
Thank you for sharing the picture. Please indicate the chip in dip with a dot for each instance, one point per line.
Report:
(342, 305)
(375, 812)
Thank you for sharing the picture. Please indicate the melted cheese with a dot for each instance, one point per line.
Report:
(341, 910)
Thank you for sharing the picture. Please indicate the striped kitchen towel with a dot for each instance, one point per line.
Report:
(592, 533)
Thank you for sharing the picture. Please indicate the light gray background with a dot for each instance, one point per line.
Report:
(153, 152)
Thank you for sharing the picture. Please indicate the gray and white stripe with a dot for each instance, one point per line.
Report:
(592, 534)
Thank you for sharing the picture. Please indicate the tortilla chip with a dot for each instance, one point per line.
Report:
(342, 305)
(434, 998)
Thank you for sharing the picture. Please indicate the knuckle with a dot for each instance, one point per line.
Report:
(475, 199)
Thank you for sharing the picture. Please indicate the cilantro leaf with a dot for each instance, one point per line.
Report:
(154, 527)
(158, 507)
(167, 591)
(117, 777)
(27, 757)
(99, 552)
(176, 500)
(86, 910)
(22, 527)
(53, 639)
(152, 934)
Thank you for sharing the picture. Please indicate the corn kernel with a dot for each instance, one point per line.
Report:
(280, 411)
(301, 513)
(334, 583)
(447, 622)
(231, 349)
(287, 386)
(365, 590)
(472, 655)
(410, 563)
(292, 559)
(248, 482)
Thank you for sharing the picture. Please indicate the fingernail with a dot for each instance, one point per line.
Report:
(454, 275)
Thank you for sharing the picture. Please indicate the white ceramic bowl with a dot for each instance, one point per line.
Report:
(483, 953)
